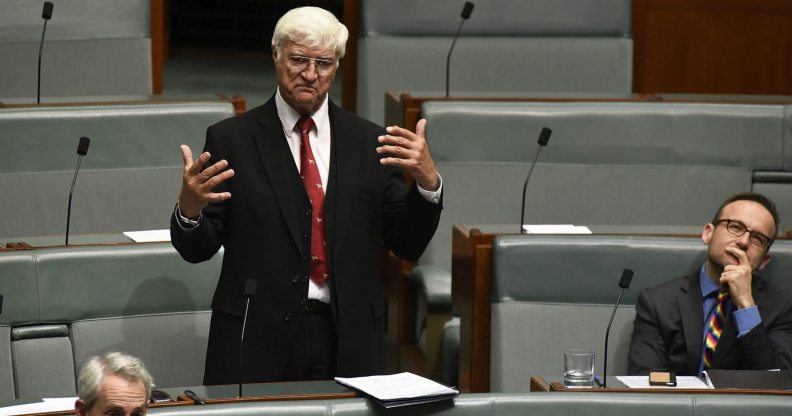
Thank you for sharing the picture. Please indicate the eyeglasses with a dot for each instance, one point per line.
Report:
(299, 63)
(738, 229)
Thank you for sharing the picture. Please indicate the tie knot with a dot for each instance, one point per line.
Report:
(722, 296)
(304, 124)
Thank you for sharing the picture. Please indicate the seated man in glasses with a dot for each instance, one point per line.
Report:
(723, 316)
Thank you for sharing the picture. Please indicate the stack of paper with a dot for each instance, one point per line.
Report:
(399, 389)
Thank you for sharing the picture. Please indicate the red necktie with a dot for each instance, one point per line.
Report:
(309, 173)
(715, 328)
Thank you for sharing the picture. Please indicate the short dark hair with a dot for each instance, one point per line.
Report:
(755, 197)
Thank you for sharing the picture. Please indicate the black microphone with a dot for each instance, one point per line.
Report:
(82, 150)
(46, 14)
(624, 283)
(250, 292)
(467, 10)
(1, 304)
(544, 137)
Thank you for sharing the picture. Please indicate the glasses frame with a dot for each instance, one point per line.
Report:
(299, 63)
(755, 237)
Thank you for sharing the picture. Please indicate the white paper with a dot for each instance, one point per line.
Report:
(555, 229)
(683, 382)
(397, 386)
(148, 236)
(46, 406)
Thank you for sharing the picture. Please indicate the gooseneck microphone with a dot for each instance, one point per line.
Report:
(624, 283)
(249, 293)
(467, 10)
(46, 14)
(544, 137)
(82, 150)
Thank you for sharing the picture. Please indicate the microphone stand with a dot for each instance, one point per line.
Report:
(624, 283)
(466, 11)
(544, 137)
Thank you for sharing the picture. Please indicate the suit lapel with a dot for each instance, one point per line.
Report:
(345, 157)
(692, 322)
(278, 164)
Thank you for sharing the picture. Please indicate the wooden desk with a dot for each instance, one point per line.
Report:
(471, 271)
(404, 108)
(540, 384)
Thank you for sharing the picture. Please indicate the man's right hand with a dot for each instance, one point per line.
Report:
(197, 183)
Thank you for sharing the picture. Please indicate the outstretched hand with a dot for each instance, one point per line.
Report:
(409, 150)
(197, 183)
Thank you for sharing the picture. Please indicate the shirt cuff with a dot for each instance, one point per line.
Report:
(747, 319)
(431, 196)
(184, 222)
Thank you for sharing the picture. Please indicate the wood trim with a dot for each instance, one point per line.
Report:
(158, 44)
(350, 61)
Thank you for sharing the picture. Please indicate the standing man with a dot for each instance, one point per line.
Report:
(302, 194)
(723, 316)
(113, 384)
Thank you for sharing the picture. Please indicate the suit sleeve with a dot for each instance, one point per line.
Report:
(647, 350)
(203, 241)
(409, 221)
(769, 344)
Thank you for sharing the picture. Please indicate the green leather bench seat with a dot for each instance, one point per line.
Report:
(552, 293)
(506, 46)
(129, 180)
(90, 49)
(545, 404)
(63, 305)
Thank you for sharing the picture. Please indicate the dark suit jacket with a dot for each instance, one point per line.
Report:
(265, 229)
(669, 327)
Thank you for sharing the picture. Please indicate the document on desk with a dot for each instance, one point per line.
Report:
(399, 389)
(683, 382)
(46, 405)
(148, 236)
(555, 229)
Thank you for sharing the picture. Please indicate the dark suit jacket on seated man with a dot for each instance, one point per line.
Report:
(245, 192)
(672, 319)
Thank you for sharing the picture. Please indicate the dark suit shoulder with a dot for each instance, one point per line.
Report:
(672, 286)
(345, 118)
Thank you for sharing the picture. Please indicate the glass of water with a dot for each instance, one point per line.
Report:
(578, 368)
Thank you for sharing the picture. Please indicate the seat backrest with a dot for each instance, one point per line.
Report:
(43, 361)
(90, 49)
(129, 180)
(606, 163)
(142, 299)
(507, 46)
(552, 293)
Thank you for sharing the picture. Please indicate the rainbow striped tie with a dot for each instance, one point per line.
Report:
(717, 320)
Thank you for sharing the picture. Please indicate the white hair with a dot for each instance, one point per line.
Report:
(115, 363)
(312, 27)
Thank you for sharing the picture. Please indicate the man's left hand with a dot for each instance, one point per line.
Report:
(737, 279)
(409, 150)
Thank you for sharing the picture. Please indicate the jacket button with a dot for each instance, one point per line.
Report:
(308, 212)
(306, 257)
(288, 317)
(303, 300)
(305, 279)
(306, 235)
(296, 279)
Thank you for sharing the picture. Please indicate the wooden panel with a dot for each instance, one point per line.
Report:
(349, 75)
(158, 44)
(712, 46)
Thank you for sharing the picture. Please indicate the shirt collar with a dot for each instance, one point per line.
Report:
(289, 116)
(705, 283)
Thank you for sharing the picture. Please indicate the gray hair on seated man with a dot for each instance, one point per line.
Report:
(114, 383)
